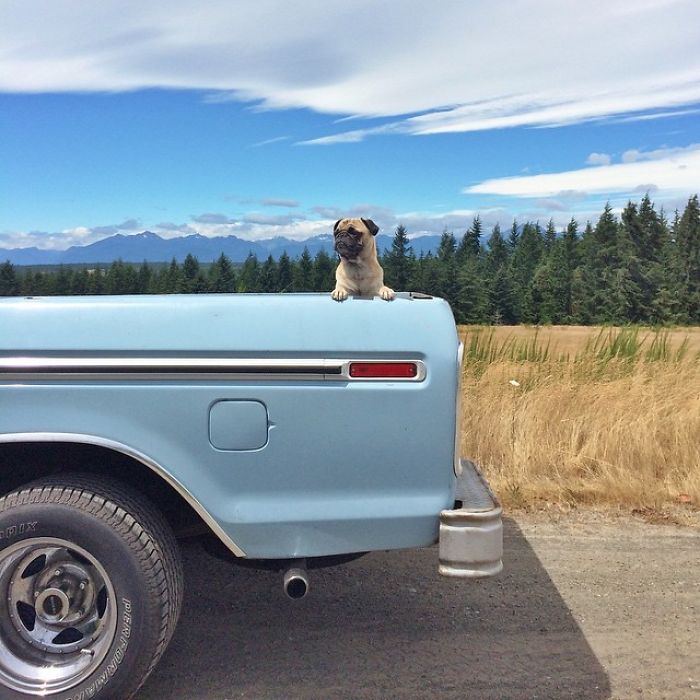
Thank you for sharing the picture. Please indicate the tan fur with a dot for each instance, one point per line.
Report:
(361, 275)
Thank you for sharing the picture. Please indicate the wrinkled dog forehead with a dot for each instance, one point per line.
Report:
(345, 224)
(363, 225)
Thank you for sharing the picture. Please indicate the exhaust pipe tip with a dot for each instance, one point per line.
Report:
(296, 583)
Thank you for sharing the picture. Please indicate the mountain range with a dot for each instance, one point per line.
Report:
(151, 247)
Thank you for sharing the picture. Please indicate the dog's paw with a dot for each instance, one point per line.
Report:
(339, 294)
(386, 293)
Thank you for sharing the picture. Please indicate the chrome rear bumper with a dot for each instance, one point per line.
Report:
(471, 535)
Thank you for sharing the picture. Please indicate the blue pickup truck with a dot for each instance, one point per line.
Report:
(286, 431)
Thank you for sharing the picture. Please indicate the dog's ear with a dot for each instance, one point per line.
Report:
(336, 224)
(371, 226)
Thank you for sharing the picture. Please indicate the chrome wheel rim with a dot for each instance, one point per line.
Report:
(61, 616)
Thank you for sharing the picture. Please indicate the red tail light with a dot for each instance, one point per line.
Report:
(384, 370)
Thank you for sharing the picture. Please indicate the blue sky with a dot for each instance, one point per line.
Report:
(223, 118)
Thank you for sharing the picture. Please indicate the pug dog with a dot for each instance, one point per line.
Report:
(359, 271)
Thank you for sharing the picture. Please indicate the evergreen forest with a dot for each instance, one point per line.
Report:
(640, 267)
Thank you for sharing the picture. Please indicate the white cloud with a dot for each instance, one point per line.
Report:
(634, 154)
(255, 226)
(458, 66)
(668, 172)
(279, 202)
(599, 159)
(655, 115)
(76, 235)
(268, 142)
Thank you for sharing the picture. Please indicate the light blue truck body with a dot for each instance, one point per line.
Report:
(244, 404)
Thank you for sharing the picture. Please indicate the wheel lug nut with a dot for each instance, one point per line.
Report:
(58, 572)
(82, 585)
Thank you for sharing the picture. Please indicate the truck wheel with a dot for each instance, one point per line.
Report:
(90, 589)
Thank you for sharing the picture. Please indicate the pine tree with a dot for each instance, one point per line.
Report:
(222, 278)
(304, 272)
(97, 282)
(398, 260)
(497, 254)
(81, 282)
(632, 294)
(523, 264)
(9, 285)
(496, 282)
(667, 306)
(603, 264)
(248, 279)
(268, 276)
(121, 278)
(170, 278)
(448, 283)
(448, 246)
(470, 304)
(470, 245)
(193, 281)
(31, 284)
(571, 244)
(501, 306)
(584, 280)
(284, 273)
(688, 254)
(550, 237)
(62, 281)
(324, 272)
(552, 285)
(652, 251)
(428, 278)
(513, 237)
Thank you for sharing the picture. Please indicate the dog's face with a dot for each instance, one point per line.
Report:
(354, 238)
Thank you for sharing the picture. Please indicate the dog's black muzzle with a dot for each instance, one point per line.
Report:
(347, 245)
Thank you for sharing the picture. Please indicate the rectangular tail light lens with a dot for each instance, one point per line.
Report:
(383, 370)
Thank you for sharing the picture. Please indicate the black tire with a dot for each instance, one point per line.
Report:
(123, 540)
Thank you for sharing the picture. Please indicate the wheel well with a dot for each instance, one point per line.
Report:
(22, 462)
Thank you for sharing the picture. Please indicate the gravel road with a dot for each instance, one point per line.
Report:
(584, 609)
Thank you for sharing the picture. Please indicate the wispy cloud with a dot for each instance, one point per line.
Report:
(278, 202)
(633, 155)
(213, 218)
(268, 142)
(599, 159)
(256, 226)
(285, 202)
(616, 58)
(59, 240)
(670, 172)
(169, 226)
(664, 114)
(126, 226)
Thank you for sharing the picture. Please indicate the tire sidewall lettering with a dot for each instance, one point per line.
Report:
(13, 531)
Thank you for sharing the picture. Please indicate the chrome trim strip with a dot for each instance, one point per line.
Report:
(138, 456)
(192, 368)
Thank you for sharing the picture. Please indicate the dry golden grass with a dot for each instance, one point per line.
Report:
(593, 429)
(572, 339)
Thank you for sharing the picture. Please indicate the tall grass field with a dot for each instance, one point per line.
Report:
(574, 415)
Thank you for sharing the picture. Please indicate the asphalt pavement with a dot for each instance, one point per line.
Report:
(586, 609)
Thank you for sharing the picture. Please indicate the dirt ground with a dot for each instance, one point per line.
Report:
(585, 608)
